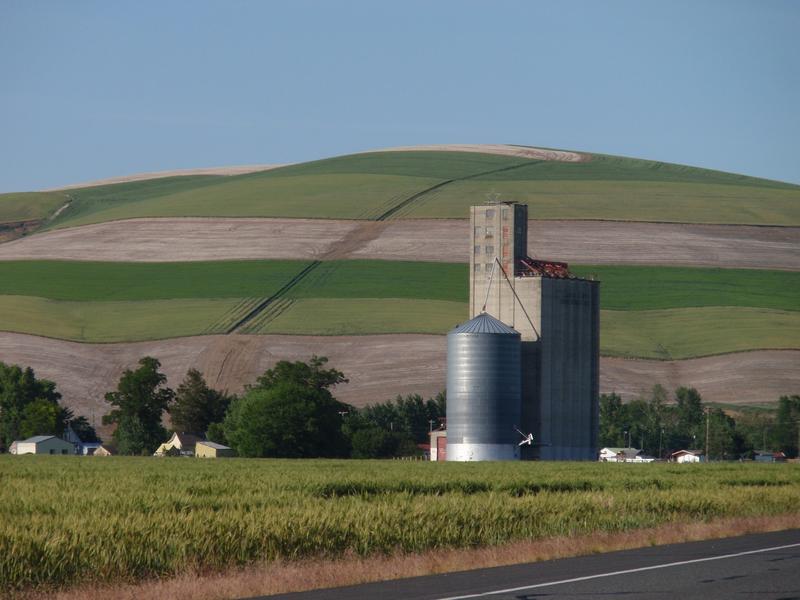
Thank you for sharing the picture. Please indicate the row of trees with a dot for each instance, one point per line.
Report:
(31, 406)
(656, 425)
(289, 412)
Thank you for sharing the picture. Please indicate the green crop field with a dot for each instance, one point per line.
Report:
(623, 287)
(692, 332)
(76, 520)
(365, 186)
(648, 312)
(359, 316)
(656, 287)
(81, 281)
(120, 321)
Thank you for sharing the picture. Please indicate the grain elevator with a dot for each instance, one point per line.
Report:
(557, 317)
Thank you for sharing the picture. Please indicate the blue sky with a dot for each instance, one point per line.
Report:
(100, 89)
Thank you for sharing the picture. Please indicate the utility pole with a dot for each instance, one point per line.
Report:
(708, 413)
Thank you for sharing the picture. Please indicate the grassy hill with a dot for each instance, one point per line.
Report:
(437, 184)
(647, 312)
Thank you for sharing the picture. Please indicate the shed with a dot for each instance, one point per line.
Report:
(619, 455)
(206, 449)
(44, 444)
(184, 443)
(105, 450)
(764, 456)
(687, 456)
(438, 451)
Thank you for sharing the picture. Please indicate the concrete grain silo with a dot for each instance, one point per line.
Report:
(558, 316)
(483, 391)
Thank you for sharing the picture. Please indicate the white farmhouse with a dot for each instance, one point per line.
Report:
(687, 456)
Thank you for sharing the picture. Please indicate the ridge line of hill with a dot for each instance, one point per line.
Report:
(403, 204)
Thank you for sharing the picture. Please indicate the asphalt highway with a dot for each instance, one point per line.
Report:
(761, 566)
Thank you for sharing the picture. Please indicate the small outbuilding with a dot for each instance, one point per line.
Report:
(205, 449)
(105, 450)
(44, 444)
(770, 457)
(180, 444)
(620, 455)
(438, 446)
(687, 456)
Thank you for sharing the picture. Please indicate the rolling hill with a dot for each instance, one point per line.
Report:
(368, 251)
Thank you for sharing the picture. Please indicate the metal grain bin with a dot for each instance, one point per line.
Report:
(483, 391)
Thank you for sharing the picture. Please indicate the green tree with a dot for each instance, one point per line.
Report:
(140, 401)
(41, 417)
(19, 390)
(83, 429)
(290, 413)
(689, 429)
(196, 405)
(787, 425)
(613, 421)
(376, 442)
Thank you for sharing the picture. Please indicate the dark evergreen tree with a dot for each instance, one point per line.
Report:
(140, 401)
(196, 405)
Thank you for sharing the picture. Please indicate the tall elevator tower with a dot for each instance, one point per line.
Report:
(558, 317)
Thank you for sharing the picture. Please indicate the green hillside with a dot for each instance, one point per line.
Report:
(435, 184)
(649, 312)
(29, 206)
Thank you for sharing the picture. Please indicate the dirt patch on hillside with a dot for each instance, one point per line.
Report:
(379, 367)
(446, 240)
(17, 229)
(236, 170)
(502, 149)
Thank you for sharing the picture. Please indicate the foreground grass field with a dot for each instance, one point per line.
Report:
(439, 184)
(69, 520)
(648, 312)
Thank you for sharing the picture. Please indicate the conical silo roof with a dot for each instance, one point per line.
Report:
(484, 323)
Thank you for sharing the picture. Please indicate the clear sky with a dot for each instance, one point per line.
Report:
(99, 89)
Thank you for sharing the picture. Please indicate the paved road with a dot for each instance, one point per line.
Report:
(763, 566)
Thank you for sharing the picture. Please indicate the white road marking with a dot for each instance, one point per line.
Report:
(625, 572)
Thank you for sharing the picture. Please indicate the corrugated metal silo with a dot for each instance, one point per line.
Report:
(483, 390)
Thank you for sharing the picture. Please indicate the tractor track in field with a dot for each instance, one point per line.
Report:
(239, 325)
(413, 198)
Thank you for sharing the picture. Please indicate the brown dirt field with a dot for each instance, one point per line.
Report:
(597, 242)
(379, 367)
(185, 239)
(603, 242)
(236, 170)
(285, 576)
